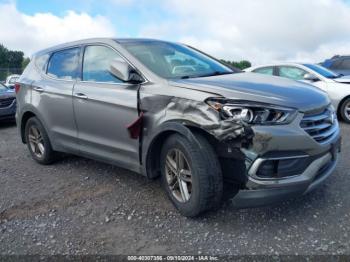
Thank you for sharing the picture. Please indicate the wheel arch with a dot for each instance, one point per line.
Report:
(341, 103)
(25, 117)
(154, 145)
(27, 113)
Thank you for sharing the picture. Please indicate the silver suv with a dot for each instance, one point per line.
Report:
(169, 110)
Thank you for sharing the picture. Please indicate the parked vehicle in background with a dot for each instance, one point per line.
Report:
(339, 64)
(166, 109)
(337, 86)
(7, 103)
(11, 80)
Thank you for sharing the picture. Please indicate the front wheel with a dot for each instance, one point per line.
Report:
(345, 110)
(191, 175)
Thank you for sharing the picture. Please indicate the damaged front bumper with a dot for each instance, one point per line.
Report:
(285, 162)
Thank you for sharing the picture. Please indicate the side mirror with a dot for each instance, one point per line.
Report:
(121, 70)
(124, 72)
(310, 77)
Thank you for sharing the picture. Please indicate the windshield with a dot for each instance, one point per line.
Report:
(13, 79)
(322, 71)
(170, 60)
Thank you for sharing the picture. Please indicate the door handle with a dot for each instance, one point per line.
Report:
(80, 95)
(38, 89)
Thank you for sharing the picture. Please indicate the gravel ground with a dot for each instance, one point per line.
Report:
(80, 206)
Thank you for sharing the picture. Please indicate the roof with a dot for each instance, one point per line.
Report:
(137, 40)
(100, 39)
(274, 64)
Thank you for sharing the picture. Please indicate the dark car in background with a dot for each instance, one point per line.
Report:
(339, 64)
(7, 103)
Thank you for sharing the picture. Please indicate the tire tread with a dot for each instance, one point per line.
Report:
(207, 166)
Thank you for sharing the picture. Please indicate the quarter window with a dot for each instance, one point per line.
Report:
(264, 70)
(64, 64)
(292, 72)
(41, 62)
(97, 62)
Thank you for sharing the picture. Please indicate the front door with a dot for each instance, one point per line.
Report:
(104, 106)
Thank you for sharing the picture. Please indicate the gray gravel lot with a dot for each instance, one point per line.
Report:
(80, 206)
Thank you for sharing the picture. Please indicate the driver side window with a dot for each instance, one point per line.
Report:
(97, 62)
(291, 72)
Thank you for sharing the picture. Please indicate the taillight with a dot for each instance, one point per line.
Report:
(17, 88)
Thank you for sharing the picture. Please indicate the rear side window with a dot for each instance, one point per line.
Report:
(264, 70)
(64, 64)
(97, 62)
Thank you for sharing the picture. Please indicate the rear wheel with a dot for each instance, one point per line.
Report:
(345, 110)
(38, 142)
(191, 175)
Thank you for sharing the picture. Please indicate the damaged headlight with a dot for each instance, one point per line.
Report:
(252, 113)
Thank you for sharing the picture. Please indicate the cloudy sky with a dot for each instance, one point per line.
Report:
(257, 30)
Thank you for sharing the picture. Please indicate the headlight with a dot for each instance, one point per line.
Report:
(251, 112)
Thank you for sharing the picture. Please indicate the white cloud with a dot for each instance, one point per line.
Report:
(261, 31)
(32, 33)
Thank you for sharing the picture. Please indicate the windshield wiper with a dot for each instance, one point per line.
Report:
(216, 73)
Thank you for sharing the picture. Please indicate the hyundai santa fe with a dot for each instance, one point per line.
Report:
(165, 109)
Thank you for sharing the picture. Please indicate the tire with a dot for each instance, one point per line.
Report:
(345, 115)
(43, 154)
(206, 187)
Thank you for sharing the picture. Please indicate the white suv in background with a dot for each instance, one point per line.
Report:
(11, 81)
(336, 85)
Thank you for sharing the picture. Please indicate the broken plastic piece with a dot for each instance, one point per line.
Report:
(136, 127)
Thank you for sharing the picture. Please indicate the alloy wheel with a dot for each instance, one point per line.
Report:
(36, 142)
(178, 175)
(347, 110)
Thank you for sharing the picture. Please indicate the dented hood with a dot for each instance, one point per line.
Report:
(259, 88)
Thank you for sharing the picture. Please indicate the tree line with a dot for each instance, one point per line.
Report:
(240, 65)
(11, 62)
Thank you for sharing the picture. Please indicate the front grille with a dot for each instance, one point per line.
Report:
(6, 102)
(321, 126)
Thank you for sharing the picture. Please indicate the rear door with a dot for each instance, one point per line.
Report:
(52, 96)
(104, 106)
